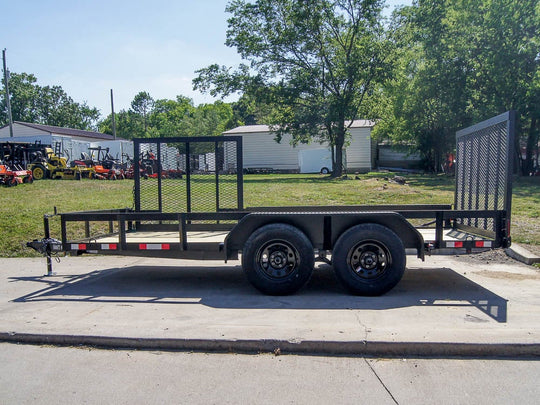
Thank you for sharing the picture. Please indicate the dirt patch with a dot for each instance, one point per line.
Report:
(497, 256)
(509, 276)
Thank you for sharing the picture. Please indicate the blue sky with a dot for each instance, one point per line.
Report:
(89, 47)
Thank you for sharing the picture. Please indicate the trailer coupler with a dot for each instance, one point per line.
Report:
(47, 247)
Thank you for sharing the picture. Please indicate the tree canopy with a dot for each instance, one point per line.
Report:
(48, 105)
(316, 63)
(460, 62)
(170, 118)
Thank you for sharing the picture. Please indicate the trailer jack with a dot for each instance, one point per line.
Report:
(48, 247)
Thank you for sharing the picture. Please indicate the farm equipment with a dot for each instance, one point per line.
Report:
(11, 178)
(12, 164)
(104, 166)
(47, 164)
(150, 168)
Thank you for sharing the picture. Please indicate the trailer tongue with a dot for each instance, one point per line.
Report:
(201, 216)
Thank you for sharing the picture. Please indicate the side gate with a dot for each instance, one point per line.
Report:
(188, 174)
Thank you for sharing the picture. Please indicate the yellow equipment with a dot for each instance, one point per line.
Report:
(48, 165)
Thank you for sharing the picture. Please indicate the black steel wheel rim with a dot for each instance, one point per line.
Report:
(369, 259)
(278, 259)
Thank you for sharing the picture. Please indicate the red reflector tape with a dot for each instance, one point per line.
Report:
(154, 246)
(482, 243)
(78, 246)
(109, 246)
(454, 244)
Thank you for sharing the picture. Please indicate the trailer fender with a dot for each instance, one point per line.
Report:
(323, 229)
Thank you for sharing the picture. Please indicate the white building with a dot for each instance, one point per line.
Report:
(71, 142)
(262, 152)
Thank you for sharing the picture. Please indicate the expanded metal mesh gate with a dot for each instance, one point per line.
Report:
(484, 169)
(195, 174)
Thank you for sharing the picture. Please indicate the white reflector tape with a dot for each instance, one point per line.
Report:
(109, 246)
(482, 243)
(78, 246)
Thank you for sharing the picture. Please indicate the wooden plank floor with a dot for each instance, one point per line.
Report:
(219, 237)
(168, 237)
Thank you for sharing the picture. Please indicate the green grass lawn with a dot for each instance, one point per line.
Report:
(23, 206)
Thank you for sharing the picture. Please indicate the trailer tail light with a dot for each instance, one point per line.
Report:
(109, 246)
(154, 246)
(78, 246)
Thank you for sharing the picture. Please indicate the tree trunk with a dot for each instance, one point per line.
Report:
(340, 141)
(532, 144)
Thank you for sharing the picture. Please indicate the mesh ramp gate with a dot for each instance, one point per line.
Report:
(484, 167)
(188, 174)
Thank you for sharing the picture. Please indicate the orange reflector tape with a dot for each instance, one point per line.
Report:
(154, 246)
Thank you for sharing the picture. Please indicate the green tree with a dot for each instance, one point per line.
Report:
(316, 63)
(127, 125)
(172, 118)
(48, 105)
(24, 96)
(461, 62)
(142, 106)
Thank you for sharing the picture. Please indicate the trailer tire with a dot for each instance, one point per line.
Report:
(369, 259)
(39, 172)
(278, 259)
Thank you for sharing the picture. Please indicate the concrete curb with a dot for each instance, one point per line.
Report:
(335, 348)
(521, 254)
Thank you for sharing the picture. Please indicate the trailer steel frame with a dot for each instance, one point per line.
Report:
(480, 217)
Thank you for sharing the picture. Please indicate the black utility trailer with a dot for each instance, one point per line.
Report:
(201, 216)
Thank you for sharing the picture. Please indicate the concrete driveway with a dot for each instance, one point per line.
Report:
(446, 306)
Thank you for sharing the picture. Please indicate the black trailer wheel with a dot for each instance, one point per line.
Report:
(39, 172)
(278, 259)
(369, 259)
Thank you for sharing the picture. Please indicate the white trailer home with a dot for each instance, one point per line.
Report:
(262, 152)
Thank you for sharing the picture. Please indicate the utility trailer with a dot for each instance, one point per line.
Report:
(202, 216)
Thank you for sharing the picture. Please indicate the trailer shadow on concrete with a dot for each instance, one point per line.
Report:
(226, 287)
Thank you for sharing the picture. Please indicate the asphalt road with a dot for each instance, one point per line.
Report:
(47, 375)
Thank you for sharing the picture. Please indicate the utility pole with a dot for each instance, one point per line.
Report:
(113, 119)
(6, 86)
